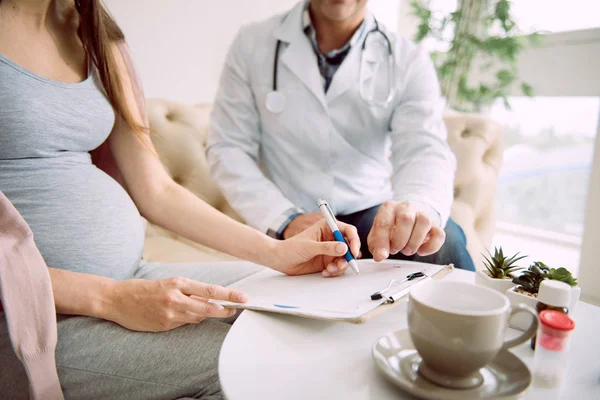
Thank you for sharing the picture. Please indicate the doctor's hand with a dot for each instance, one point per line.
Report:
(402, 227)
(315, 250)
(301, 223)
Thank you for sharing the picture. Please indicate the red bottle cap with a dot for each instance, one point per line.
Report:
(556, 320)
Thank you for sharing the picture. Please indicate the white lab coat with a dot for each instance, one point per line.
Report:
(325, 145)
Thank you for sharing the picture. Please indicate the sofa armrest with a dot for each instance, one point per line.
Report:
(477, 143)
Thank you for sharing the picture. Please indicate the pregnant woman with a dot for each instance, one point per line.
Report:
(126, 329)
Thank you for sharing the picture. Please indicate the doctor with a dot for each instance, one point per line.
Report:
(324, 102)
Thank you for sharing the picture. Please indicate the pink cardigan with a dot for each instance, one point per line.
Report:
(25, 287)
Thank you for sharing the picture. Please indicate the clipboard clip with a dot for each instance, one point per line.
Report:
(390, 299)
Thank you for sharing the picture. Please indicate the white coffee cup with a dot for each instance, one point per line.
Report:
(458, 328)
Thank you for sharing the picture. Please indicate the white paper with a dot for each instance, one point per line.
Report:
(347, 296)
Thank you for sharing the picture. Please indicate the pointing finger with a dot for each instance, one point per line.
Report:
(379, 237)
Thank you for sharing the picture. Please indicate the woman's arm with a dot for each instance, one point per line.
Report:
(167, 204)
(160, 200)
(140, 304)
(81, 294)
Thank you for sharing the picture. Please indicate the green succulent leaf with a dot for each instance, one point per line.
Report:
(498, 266)
(562, 274)
(514, 259)
(531, 278)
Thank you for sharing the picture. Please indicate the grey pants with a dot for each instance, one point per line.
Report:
(98, 359)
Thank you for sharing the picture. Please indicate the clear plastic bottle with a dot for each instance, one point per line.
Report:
(551, 353)
(552, 295)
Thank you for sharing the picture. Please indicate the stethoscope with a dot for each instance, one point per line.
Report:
(275, 101)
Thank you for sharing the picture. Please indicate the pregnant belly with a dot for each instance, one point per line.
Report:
(82, 220)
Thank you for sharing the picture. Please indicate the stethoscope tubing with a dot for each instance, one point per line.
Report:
(369, 101)
(277, 46)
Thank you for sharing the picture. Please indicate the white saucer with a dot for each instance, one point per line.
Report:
(505, 377)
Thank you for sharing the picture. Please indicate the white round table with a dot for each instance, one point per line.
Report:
(268, 356)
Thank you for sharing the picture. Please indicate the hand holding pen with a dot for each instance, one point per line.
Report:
(314, 250)
(332, 223)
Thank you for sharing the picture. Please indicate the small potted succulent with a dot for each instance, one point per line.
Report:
(528, 285)
(498, 273)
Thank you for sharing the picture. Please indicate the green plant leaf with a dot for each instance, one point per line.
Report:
(498, 265)
(514, 259)
(455, 16)
(497, 39)
(423, 31)
(502, 10)
(562, 274)
(534, 39)
(423, 14)
(505, 76)
(526, 89)
(483, 91)
(446, 70)
(505, 48)
(419, 9)
(530, 279)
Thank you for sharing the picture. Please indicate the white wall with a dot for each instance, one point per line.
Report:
(563, 64)
(179, 46)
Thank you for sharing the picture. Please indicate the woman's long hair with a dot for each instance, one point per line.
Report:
(98, 32)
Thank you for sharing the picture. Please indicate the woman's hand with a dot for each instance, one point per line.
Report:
(315, 250)
(164, 304)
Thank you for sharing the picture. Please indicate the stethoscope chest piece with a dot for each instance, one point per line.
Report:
(275, 102)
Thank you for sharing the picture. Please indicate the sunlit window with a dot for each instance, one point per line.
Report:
(557, 15)
(549, 145)
(543, 15)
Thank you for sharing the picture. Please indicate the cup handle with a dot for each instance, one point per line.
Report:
(529, 332)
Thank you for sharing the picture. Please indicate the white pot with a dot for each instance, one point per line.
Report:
(499, 285)
(575, 294)
(521, 321)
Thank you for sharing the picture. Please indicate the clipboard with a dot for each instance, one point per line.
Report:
(346, 298)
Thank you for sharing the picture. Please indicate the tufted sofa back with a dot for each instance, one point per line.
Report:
(477, 144)
(179, 133)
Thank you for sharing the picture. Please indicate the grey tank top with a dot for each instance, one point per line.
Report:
(82, 219)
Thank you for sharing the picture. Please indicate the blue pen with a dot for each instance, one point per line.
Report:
(330, 218)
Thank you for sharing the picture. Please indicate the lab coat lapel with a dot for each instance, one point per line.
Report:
(299, 56)
(348, 74)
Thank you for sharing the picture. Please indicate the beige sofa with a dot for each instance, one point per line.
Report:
(179, 134)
